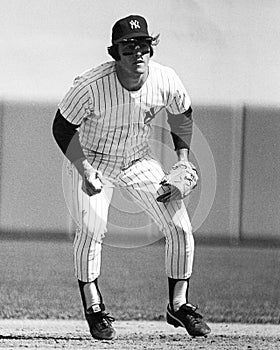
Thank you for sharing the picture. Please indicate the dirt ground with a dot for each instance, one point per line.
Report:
(134, 335)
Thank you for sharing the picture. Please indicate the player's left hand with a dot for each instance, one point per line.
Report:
(179, 182)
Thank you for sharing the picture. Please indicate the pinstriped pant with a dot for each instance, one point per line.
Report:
(141, 180)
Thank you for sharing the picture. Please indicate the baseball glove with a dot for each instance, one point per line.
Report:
(179, 182)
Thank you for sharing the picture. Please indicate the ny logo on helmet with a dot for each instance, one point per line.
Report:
(134, 24)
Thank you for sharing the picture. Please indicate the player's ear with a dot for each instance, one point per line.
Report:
(113, 52)
(154, 42)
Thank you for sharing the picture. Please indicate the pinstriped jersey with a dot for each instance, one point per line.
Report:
(115, 121)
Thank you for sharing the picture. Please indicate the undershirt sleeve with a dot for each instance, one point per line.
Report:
(67, 137)
(181, 128)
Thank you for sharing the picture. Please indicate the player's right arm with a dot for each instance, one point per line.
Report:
(67, 137)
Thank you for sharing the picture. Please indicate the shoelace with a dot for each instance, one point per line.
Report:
(105, 320)
(195, 316)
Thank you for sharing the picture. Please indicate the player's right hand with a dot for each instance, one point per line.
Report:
(92, 181)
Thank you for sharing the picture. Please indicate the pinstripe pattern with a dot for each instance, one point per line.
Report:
(90, 213)
(141, 180)
(112, 118)
(115, 125)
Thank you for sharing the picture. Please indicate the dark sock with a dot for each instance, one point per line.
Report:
(171, 285)
(81, 288)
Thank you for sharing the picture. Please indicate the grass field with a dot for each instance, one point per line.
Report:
(230, 284)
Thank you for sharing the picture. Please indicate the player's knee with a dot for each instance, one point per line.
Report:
(178, 229)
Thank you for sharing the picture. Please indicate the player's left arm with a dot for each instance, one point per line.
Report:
(179, 112)
(182, 177)
(181, 128)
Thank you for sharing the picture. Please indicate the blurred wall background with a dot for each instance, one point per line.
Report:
(228, 56)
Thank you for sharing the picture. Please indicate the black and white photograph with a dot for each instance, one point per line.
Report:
(140, 174)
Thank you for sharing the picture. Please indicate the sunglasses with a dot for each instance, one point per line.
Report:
(129, 47)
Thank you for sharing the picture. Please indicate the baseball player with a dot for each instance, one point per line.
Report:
(103, 125)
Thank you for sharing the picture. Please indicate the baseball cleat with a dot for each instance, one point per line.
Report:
(100, 323)
(188, 318)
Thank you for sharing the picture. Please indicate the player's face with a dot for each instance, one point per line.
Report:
(134, 56)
